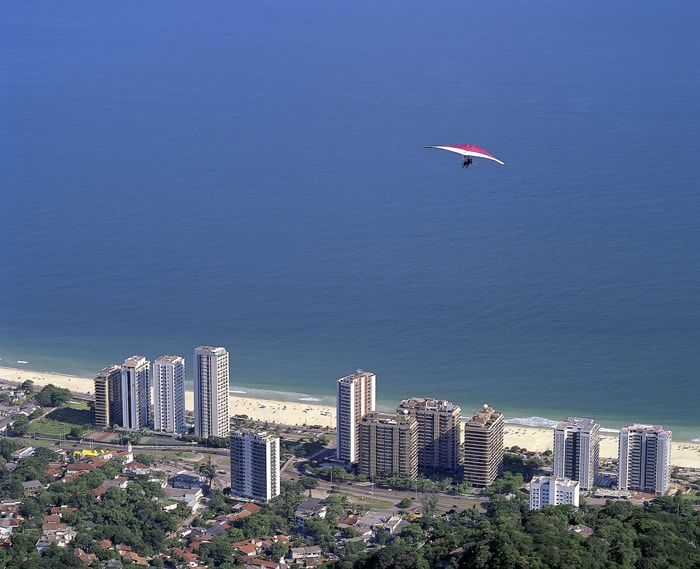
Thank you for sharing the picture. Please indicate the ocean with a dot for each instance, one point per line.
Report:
(251, 175)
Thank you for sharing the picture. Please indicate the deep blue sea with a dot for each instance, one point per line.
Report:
(251, 174)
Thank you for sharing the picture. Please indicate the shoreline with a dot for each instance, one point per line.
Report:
(685, 454)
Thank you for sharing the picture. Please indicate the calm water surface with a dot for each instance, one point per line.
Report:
(251, 175)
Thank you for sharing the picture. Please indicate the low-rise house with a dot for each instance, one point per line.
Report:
(247, 548)
(7, 525)
(374, 519)
(189, 481)
(61, 537)
(85, 558)
(190, 497)
(25, 452)
(263, 564)
(302, 554)
(31, 487)
(81, 467)
(309, 508)
(136, 469)
(54, 469)
(191, 558)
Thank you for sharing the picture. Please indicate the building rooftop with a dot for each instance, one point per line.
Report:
(584, 424)
(428, 404)
(483, 416)
(642, 427)
(211, 349)
(354, 376)
(135, 361)
(559, 481)
(170, 359)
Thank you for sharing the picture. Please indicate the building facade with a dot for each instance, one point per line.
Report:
(108, 397)
(169, 394)
(136, 393)
(483, 447)
(255, 465)
(355, 397)
(577, 451)
(212, 417)
(388, 444)
(553, 490)
(440, 434)
(644, 458)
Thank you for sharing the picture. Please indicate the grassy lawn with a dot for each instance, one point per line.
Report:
(60, 421)
(49, 428)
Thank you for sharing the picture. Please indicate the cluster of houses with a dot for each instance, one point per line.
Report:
(184, 486)
(187, 487)
(249, 551)
(9, 411)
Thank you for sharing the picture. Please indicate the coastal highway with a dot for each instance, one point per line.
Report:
(368, 493)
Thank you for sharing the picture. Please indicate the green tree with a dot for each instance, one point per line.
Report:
(147, 459)
(320, 532)
(278, 550)
(405, 503)
(429, 500)
(412, 534)
(52, 396)
(20, 425)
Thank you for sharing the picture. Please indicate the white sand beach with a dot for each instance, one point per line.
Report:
(536, 439)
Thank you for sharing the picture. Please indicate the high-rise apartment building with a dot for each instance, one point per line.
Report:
(107, 397)
(483, 446)
(255, 465)
(644, 459)
(388, 444)
(136, 392)
(212, 417)
(553, 490)
(355, 397)
(577, 451)
(169, 394)
(439, 432)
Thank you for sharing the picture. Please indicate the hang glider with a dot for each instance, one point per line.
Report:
(469, 151)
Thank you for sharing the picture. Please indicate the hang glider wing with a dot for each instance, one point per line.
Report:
(468, 150)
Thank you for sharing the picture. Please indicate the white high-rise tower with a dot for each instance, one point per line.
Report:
(355, 397)
(169, 394)
(136, 393)
(255, 465)
(211, 392)
(644, 458)
(577, 451)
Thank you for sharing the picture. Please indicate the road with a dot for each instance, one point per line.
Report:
(367, 493)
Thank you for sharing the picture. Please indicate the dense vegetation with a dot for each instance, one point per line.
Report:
(663, 534)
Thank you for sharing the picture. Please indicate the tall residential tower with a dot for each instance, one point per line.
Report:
(439, 432)
(355, 397)
(169, 394)
(136, 393)
(108, 397)
(644, 459)
(255, 465)
(211, 392)
(389, 444)
(483, 446)
(577, 451)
